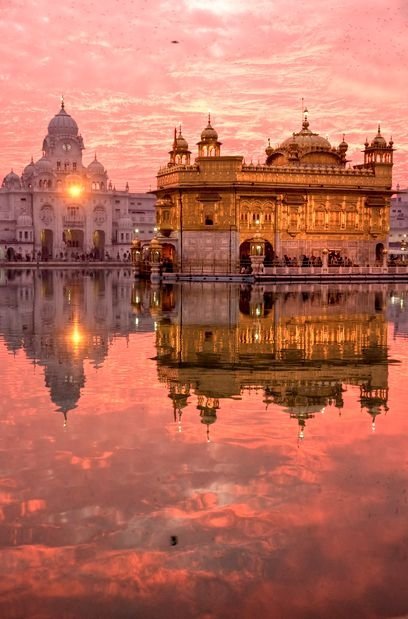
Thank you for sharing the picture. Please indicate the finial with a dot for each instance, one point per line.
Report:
(344, 135)
(305, 123)
(62, 103)
(32, 160)
(269, 142)
(95, 157)
(379, 128)
(180, 130)
(209, 119)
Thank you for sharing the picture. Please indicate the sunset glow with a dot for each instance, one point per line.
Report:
(131, 71)
(75, 191)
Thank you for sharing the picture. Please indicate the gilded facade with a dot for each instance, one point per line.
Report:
(303, 199)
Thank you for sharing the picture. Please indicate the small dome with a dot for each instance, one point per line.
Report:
(269, 149)
(44, 166)
(96, 168)
(29, 169)
(379, 141)
(62, 124)
(24, 221)
(343, 146)
(181, 142)
(209, 134)
(12, 181)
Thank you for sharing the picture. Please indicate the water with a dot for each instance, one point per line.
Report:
(201, 450)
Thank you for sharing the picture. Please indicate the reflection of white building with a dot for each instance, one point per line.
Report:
(61, 319)
(398, 236)
(59, 207)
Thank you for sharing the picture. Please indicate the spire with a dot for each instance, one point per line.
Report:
(305, 123)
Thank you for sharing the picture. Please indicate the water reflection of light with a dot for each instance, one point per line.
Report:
(76, 337)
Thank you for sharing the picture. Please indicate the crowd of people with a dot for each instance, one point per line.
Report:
(10, 255)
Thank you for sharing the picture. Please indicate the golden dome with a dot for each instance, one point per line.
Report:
(180, 142)
(379, 141)
(306, 140)
(209, 134)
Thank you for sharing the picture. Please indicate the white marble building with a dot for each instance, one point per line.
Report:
(61, 209)
(398, 235)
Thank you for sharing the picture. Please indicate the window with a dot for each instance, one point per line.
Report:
(74, 166)
(209, 220)
(25, 234)
(319, 219)
(58, 165)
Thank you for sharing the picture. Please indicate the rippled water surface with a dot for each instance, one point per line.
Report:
(202, 450)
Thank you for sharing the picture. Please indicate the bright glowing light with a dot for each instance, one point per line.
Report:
(76, 337)
(75, 191)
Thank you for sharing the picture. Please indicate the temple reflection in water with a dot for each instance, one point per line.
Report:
(297, 347)
(62, 318)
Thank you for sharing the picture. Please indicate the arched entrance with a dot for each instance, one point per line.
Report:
(379, 249)
(99, 244)
(74, 240)
(168, 257)
(47, 240)
(245, 251)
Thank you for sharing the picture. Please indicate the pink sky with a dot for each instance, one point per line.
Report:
(249, 63)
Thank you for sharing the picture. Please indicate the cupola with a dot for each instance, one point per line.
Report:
(209, 146)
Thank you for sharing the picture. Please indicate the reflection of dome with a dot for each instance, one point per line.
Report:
(12, 180)
(209, 134)
(96, 168)
(63, 124)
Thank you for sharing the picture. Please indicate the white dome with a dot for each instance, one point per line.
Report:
(44, 165)
(96, 168)
(62, 124)
(29, 169)
(12, 180)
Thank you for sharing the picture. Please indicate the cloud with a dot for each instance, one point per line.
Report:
(250, 65)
